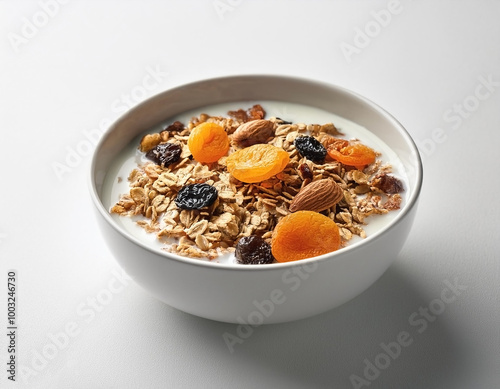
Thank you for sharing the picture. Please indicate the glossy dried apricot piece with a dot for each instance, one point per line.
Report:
(257, 163)
(304, 234)
(357, 155)
(208, 142)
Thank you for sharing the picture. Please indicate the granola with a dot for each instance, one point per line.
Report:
(243, 209)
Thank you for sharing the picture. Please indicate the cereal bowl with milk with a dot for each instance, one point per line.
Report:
(266, 198)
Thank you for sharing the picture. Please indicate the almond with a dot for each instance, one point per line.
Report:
(253, 132)
(317, 196)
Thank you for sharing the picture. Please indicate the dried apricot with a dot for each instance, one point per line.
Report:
(357, 154)
(208, 142)
(257, 163)
(304, 234)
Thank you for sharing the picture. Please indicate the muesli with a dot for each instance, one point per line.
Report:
(267, 189)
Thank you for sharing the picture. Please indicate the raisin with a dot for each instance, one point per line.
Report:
(196, 196)
(253, 250)
(310, 148)
(305, 172)
(175, 126)
(387, 184)
(164, 154)
(281, 121)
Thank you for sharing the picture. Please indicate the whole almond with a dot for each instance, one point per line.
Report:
(317, 196)
(253, 132)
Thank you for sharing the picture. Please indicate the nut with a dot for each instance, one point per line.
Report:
(317, 196)
(253, 132)
(149, 141)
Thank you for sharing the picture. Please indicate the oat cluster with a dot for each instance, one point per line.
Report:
(244, 209)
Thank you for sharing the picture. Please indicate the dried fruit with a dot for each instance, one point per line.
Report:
(310, 148)
(196, 196)
(253, 132)
(304, 234)
(317, 196)
(336, 143)
(254, 113)
(281, 121)
(253, 250)
(387, 183)
(208, 142)
(175, 126)
(357, 154)
(257, 163)
(165, 154)
(305, 172)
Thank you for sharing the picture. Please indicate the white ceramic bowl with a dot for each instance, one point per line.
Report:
(257, 294)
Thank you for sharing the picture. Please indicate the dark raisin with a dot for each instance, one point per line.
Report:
(196, 196)
(253, 250)
(164, 154)
(175, 126)
(305, 172)
(281, 121)
(387, 184)
(310, 148)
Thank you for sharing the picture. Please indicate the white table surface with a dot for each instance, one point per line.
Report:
(69, 69)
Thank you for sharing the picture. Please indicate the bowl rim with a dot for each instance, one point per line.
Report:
(408, 206)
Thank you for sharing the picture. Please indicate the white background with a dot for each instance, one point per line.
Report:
(73, 74)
